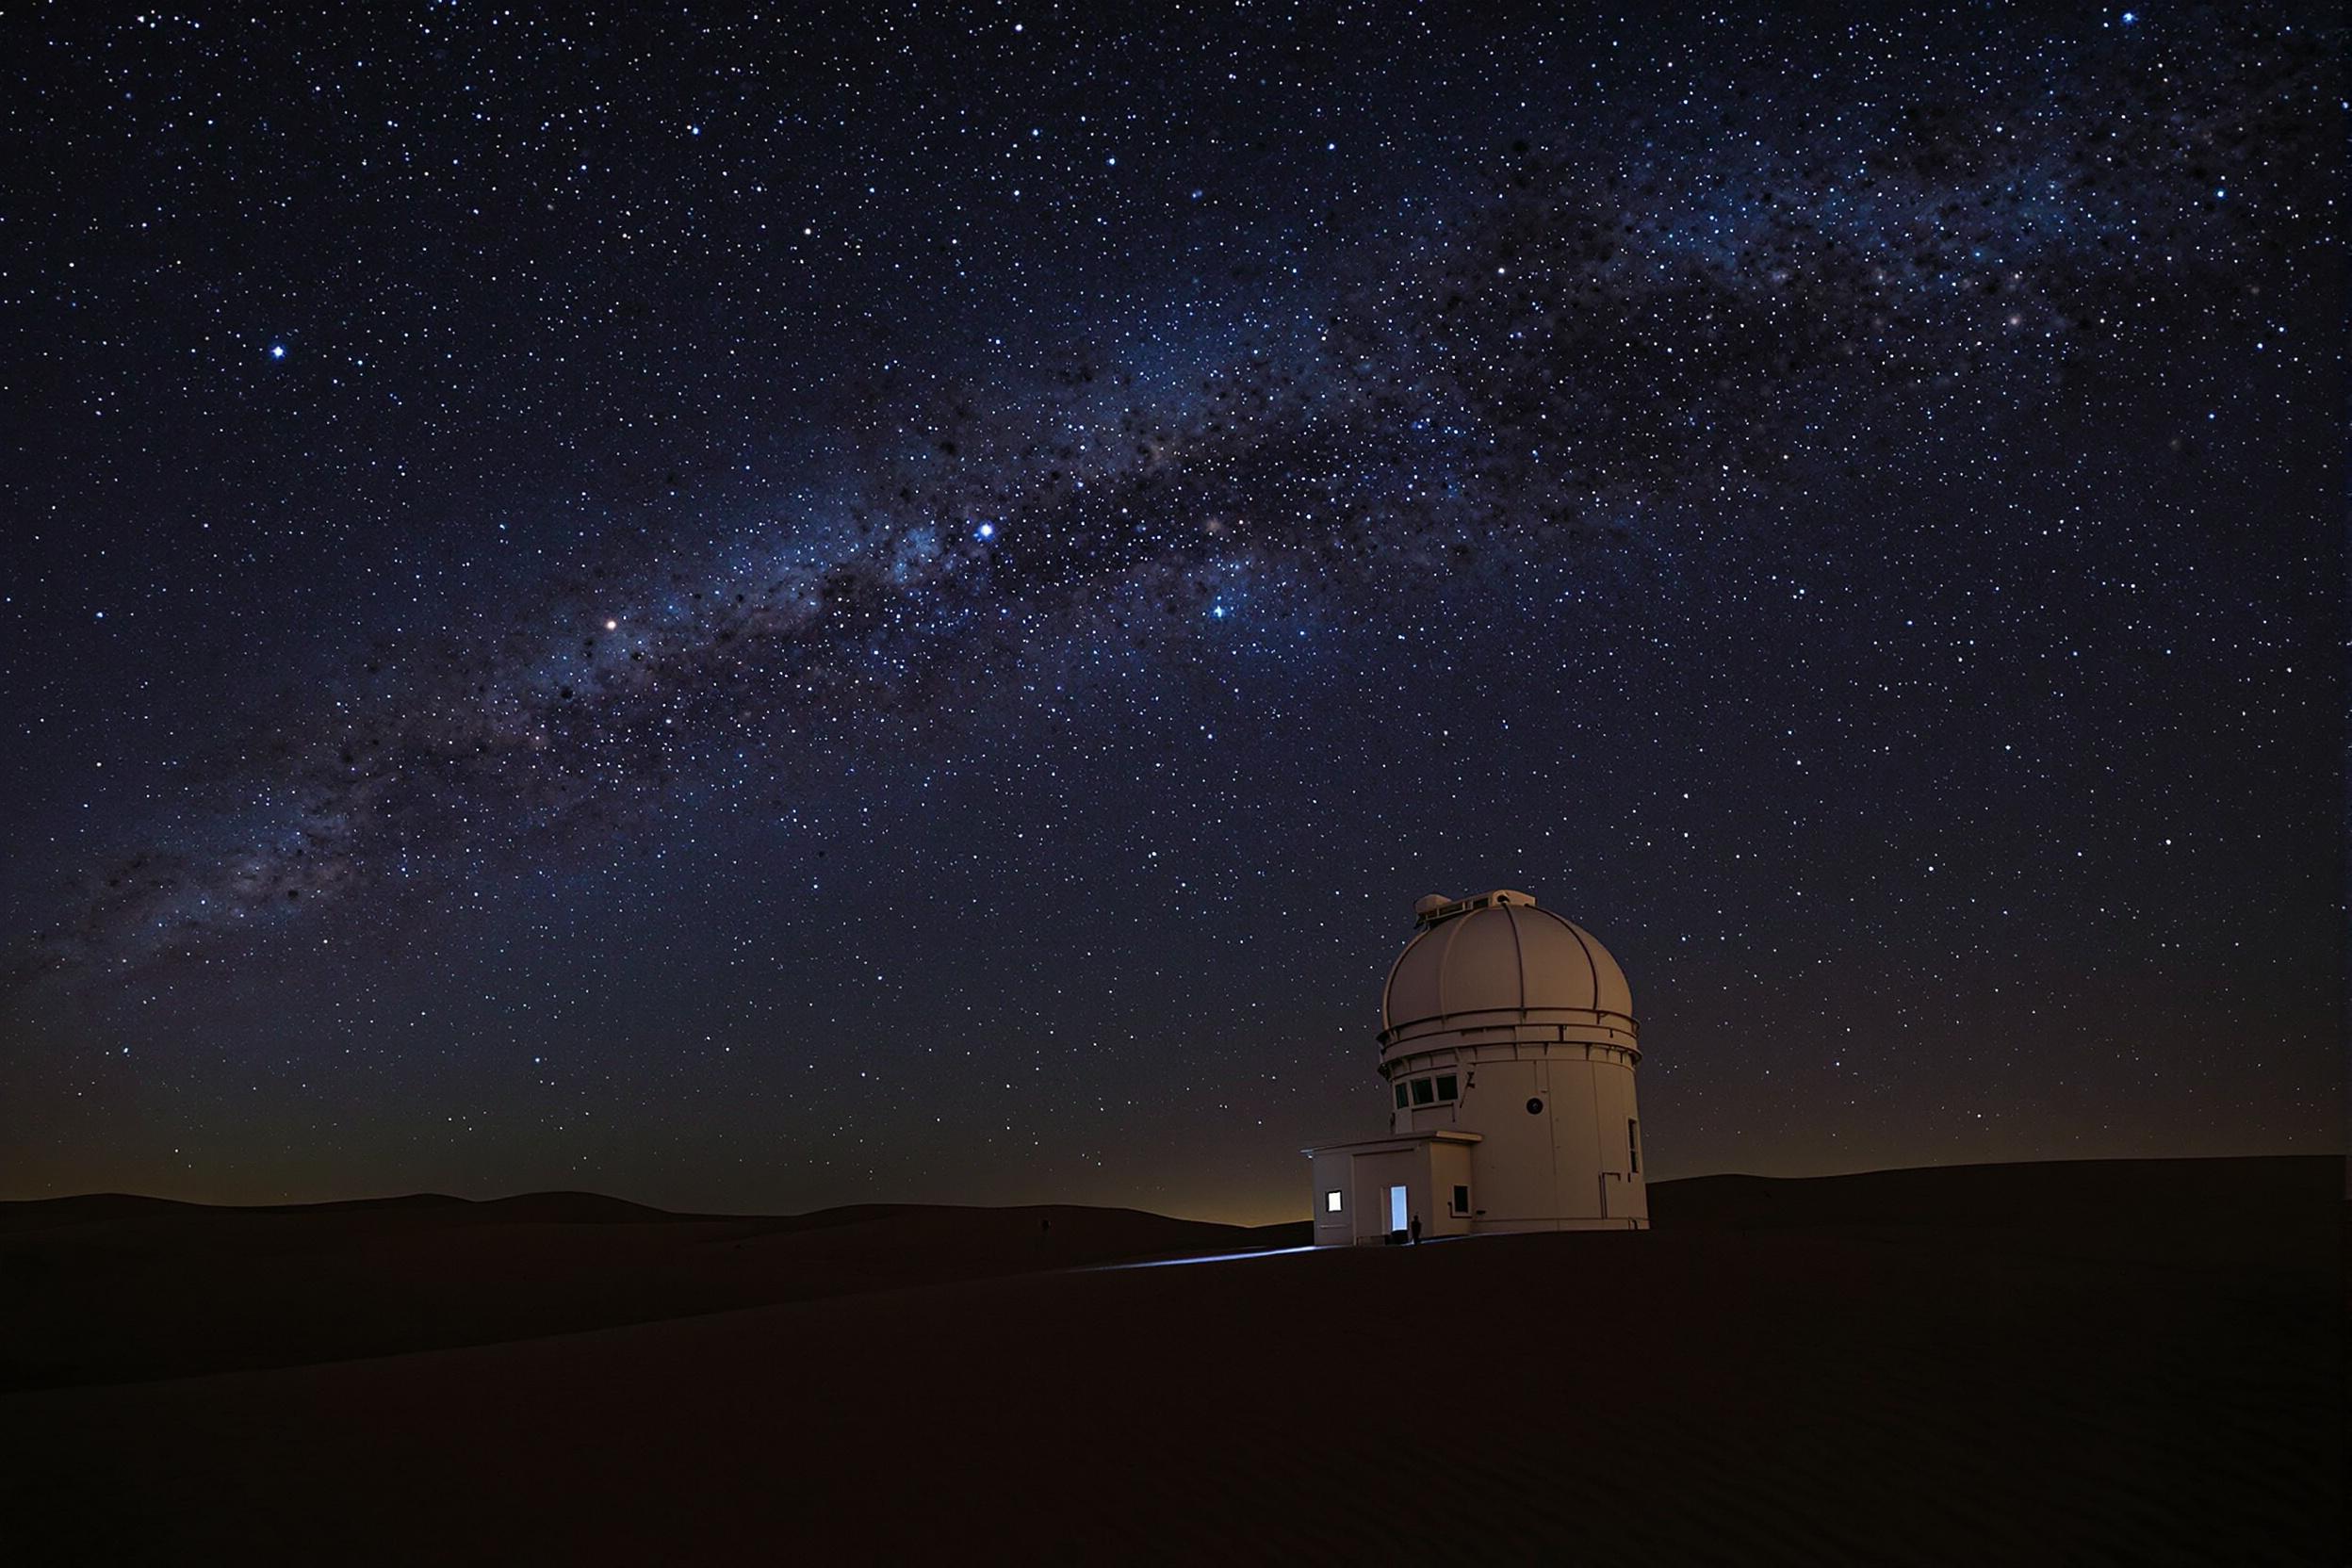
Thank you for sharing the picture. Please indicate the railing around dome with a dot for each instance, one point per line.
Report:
(1500, 897)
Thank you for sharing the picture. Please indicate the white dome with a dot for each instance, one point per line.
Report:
(1498, 960)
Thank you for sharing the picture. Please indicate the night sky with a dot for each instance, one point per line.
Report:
(754, 610)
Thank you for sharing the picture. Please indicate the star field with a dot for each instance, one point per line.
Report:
(758, 609)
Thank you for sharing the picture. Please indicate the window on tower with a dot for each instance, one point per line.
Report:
(1400, 1094)
(1462, 1199)
(1633, 1146)
(1446, 1087)
(1331, 1201)
(1422, 1092)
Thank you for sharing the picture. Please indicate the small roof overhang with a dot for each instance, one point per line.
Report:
(1395, 1140)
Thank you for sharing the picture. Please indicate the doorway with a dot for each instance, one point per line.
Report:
(1399, 1212)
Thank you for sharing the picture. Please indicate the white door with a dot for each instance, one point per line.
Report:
(1399, 1210)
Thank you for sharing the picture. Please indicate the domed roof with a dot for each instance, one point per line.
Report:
(1498, 959)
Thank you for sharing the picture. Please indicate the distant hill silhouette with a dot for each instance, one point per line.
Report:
(113, 1287)
(2107, 1191)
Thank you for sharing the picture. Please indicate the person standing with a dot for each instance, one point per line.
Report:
(1416, 1229)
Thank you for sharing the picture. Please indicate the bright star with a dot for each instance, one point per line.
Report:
(611, 626)
(277, 351)
(986, 531)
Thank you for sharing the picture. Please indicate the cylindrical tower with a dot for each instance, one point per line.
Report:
(1507, 1021)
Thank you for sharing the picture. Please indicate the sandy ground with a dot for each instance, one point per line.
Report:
(2113, 1362)
(114, 1289)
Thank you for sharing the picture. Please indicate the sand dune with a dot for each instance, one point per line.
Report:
(1912, 1367)
(116, 1289)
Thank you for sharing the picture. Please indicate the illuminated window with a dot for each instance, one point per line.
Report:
(1446, 1089)
(1422, 1094)
(1400, 1094)
(1462, 1199)
(1330, 1203)
(1633, 1146)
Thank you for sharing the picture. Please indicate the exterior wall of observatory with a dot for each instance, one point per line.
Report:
(1560, 1133)
(1353, 1182)
(1509, 1048)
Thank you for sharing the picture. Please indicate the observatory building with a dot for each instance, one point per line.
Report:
(1507, 1045)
